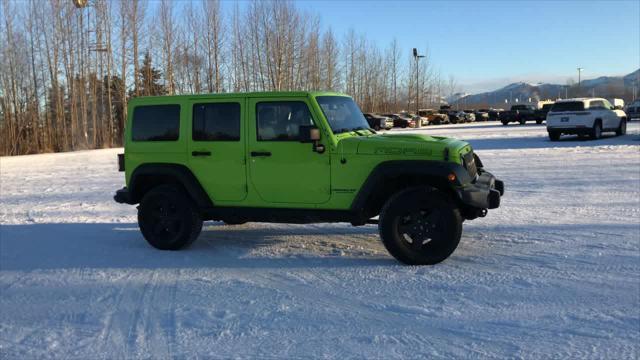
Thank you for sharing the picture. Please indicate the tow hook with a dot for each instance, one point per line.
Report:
(483, 212)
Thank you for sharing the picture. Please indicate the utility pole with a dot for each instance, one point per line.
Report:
(417, 57)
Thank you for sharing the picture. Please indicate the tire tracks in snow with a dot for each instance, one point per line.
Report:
(142, 322)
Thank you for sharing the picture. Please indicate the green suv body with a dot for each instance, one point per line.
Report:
(296, 157)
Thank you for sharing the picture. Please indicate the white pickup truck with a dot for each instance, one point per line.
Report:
(585, 116)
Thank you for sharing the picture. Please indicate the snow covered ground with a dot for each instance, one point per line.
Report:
(555, 272)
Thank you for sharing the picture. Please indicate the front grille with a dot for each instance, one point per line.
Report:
(469, 163)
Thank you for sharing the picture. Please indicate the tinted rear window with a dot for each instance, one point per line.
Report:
(216, 122)
(156, 123)
(568, 106)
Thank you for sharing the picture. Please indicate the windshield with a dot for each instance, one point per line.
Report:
(568, 106)
(342, 113)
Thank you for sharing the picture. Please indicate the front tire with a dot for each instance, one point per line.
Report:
(420, 226)
(168, 219)
(554, 136)
(596, 132)
(622, 128)
(505, 123)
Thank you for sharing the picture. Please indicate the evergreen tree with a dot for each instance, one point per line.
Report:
(150, 78)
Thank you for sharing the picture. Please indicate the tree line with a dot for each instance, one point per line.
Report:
(68, 73)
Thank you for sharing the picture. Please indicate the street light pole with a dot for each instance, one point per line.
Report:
(579, 80)
(417, 57)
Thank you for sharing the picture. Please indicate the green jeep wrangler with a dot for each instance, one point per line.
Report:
(296, 157)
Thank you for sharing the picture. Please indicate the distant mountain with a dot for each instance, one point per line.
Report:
(604, 86)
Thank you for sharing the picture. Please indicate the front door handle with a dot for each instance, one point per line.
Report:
(260, 153)
(201, 153)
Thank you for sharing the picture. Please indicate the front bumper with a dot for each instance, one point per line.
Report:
(484, 193)
(123, 196)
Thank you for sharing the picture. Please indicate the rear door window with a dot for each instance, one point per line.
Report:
(156, 123)
(216, 122)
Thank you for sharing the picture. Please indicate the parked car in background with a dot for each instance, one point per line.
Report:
(411, 118)
(453, 115)
(378, 122)
(633, 111)
(416, 119)
(541, 114)
(456, 117)
(617, 103)
(585, 116)
(494, 114)
(470, 115)
(433, 116)
(400, 121)
(482, 115)
(462, 116)
(518, 113)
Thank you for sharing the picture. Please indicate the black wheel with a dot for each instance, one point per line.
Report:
(420, 226)
(505, 123)
(404, 126)
(168, 219)
(538, 122)
(622, 128)
(596, 132)
(376, 128)
(522, 122)
(554, 136)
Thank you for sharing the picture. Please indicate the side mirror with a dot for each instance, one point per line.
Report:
(309, 133)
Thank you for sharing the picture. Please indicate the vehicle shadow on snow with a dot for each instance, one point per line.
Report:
(541, 142)
(267, 246)
(112, 245)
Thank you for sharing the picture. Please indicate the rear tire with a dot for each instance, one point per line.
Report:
(168, 218)
(554, 136)
(522, 122)
(505, 123)
(596, 132)
(622, 128)
(420, 226)
(538, 122)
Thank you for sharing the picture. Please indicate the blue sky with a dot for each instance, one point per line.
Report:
(488, 44)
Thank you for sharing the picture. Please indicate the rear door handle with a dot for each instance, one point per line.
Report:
(260, 153)
(201, 153)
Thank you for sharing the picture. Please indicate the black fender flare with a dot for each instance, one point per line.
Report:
(394, 169)
(160, 173)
